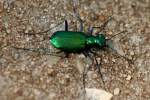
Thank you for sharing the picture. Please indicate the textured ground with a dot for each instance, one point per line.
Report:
(26, 75)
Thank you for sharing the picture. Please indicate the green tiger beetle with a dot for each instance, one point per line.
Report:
(79, 42)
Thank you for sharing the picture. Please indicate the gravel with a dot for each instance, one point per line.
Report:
(27, 75)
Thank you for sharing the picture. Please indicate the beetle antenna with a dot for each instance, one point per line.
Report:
(102, 27)
(116, 35)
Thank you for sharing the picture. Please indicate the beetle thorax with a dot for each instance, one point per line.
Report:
(96, 40)
(91, 40)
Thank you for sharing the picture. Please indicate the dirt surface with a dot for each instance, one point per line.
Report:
(27, 75)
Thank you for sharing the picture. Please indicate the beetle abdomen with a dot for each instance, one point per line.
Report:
(68, 40)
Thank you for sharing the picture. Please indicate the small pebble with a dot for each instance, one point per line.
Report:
(131, 53)
(110, 33)
(28, 28)
(116, 91)
(114, 60)
(8, 31)
(81, 56)
(128, 78)
(36, 92)
(97, 94)
(50, 71)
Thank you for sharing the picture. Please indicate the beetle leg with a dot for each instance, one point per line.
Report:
(86, 69)
(90, 29)
(77, 16)
(79, 19)
(81, 26)
(40, 50)
(102, 27)
(66, 25)
(45, 31)
(98, 67)
(99, 70)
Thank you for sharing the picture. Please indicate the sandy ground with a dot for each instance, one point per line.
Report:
(26, 75)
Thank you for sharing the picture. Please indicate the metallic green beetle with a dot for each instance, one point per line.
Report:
(78, 41)
(72, 41)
